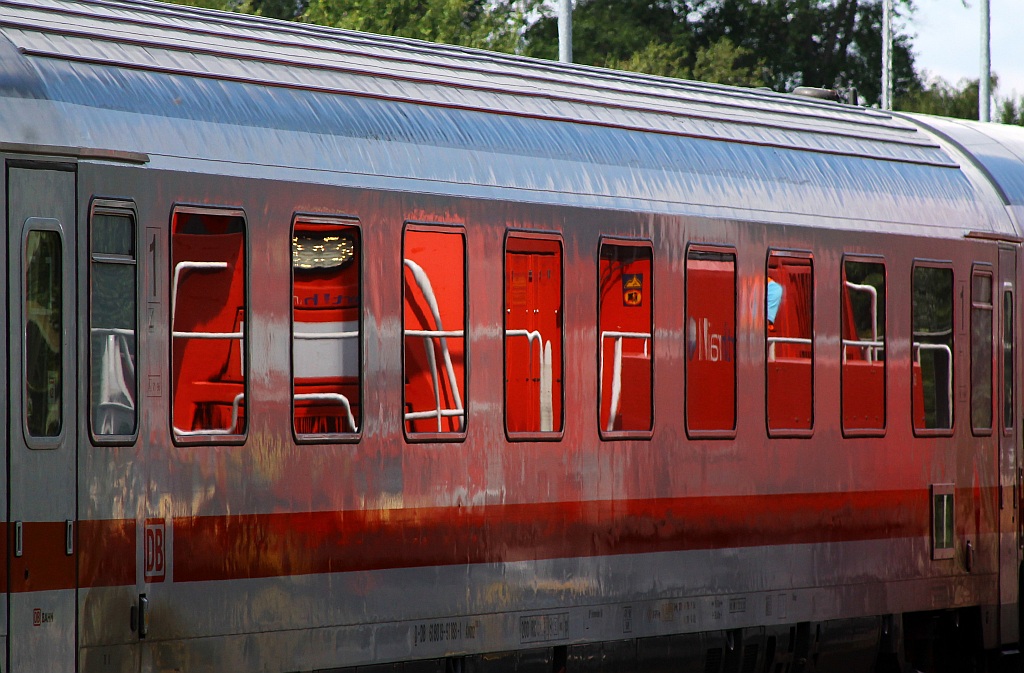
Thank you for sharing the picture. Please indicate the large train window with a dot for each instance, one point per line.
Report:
(326, 321)
(710, 341)
(113, 387)
(533, 335)
(863, 346)
(208, 306)
(932, 348)
(789, 343)
(981, 351)
(625, 337)
(43, 320)
(434, 267)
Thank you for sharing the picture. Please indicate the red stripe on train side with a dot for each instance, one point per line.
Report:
(44, 564)
(107, 552)
(210, 548)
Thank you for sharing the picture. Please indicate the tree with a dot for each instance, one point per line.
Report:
(486, 24)
(779, 43)
(939, 97)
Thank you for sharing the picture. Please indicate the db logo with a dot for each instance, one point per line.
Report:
(155, 551)
(39, 617)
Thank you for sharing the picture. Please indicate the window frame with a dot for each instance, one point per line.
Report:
(945, 265)
(332, 437)
(114, 207)
(449, 229)
(721, 249)
(808, 255)
(611, 435)
(44, 442)
(210, 438)
(864, 432)
(532, 435)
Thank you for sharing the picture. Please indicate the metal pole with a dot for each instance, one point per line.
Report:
(887, 54)
(985, 83)
(565, 31)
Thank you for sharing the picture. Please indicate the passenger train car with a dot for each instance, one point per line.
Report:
(331, 351)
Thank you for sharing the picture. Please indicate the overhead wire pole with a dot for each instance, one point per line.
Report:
(886, 54)
(985, 83)
(565, 31)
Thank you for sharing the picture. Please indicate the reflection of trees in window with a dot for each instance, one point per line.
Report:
(43, 330)
(981, 351)
(932, 347)
(112, 325)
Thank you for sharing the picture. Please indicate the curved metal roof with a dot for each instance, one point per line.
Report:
(179, 84)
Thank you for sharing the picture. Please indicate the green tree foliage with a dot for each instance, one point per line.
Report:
(778, 43)
(939, 97)
(487, 24)
(1012, 112)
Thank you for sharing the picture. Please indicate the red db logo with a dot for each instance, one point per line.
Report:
(155, 551)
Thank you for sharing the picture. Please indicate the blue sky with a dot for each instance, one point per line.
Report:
(949, 34)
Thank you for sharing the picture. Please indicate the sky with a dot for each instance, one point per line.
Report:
(948, 38)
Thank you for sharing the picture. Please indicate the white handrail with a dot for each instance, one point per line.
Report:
(918, 347)
(427, 290)
(545, 396)
(784, 340)
(871, 348)
(230, 430)
(332, 397)
(613, 408)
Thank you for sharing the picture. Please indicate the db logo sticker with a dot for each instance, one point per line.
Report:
(155, 554)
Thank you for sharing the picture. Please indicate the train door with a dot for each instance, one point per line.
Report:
(1008, 458)
(42, 426)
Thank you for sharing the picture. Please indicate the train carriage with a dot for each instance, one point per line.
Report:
(332, 351)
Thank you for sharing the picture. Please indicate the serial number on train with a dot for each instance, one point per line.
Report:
(445, 631)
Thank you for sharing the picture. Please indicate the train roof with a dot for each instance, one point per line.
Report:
(168, 86)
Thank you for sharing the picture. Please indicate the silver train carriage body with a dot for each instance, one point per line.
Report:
(329, 350)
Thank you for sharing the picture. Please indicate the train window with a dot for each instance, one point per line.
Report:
(208, 305)
(1007, 348)
(326, 328)
(44, 327)
(932, 348)
(789, 343)
(113, 388)
(710, 341)
(434, 267)
(625, 303)
(981, 351)
(533, 334)
(863, 346)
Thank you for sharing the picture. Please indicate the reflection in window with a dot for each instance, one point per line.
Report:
(789, 342)
(932, 348)
(625, 337)
(112, 324)
(208, 302)
(326, 315)
(710, 340)
(981, 351)
(863, 346)
(435, 336)
(533, 334)
(44, 329)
